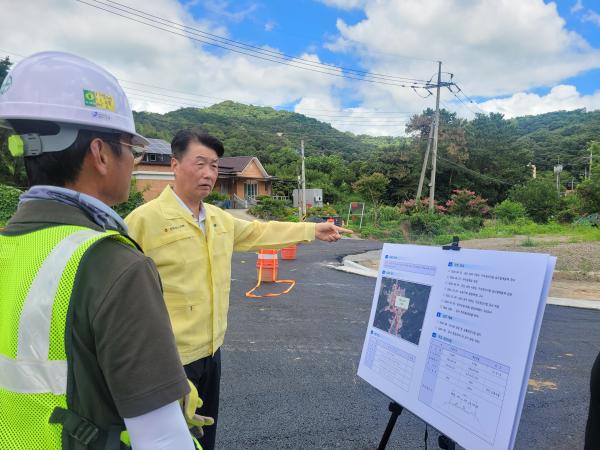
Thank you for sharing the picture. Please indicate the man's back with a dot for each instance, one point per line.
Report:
(119, 343)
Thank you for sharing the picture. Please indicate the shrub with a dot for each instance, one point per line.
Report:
(571, 208)
(589, 193)
(467, 203)
(216, 198)
(411, 206)
(468, 223)
(428, 224)
(539, 198)
(510, 211)
(389, 213)
(321, 211)
(268, 208)
(9, 200)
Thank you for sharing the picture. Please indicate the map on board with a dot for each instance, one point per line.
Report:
(401, 308)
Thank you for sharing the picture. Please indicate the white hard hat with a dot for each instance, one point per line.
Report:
(70, 91)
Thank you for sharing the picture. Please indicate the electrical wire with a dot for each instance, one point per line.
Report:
(279, 60)
(474, 172)
(261, 50)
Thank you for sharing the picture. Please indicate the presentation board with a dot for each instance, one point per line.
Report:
(452, 335)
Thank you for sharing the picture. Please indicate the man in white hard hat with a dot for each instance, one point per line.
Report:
(86, 346)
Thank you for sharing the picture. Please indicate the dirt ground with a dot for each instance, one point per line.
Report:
(577, 273)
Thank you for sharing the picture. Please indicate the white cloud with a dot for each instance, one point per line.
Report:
(578, 6)
(562, 97)
(221, 8)
(344, 4)
(139, 53)
(495, 47)
(591, 16)
(270, 26)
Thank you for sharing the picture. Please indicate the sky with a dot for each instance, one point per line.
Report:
(360, 65)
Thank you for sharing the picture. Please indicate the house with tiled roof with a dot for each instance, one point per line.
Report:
(242, 178)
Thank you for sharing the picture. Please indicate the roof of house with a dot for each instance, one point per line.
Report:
(158, 146)
(234, 164)
(228, 165)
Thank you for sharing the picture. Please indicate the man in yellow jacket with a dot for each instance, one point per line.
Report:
(192, 243)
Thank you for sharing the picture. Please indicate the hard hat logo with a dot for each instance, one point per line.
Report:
(99, 100)
(6, 85)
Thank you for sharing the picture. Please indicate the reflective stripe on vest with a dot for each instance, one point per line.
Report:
(38, 271)
(31, 371)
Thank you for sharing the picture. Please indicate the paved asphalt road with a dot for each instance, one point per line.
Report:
(289, 365)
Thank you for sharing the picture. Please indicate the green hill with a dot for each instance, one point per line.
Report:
(254, 130)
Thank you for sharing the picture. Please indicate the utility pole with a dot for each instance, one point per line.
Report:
(303, 180)
(435, 138)
(557, 170)
(424, 168)
(591, 154)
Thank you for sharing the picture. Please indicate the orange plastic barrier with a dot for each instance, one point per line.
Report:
(289, 253)
(267, 262)
(267, 266)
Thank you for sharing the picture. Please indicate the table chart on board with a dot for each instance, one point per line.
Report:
(391, 363)
(465, 387)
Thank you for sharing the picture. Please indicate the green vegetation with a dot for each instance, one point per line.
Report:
(437, 230)
(321, 211)
(267, 208)
(9, 200)
(528, 242)
(136, 198)
(216, 198)
(539, 197)
(510, 211)
(12, 170)
(484, 167)
(488, 155)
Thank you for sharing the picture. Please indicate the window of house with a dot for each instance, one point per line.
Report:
(152, 157)
(251, 189)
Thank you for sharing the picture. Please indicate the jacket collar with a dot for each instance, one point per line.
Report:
(172, 208)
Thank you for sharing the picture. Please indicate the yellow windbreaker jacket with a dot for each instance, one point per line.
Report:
(195, 270)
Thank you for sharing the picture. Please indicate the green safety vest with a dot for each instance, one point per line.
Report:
(37, 275)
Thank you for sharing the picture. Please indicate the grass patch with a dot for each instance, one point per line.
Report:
(391, 232)
(528, 242)
(585, 266)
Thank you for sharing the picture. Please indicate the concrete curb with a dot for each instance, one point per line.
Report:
(350, 266)
(574, 302)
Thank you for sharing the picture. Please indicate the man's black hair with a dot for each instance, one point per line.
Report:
(60, 168)
(182, 139)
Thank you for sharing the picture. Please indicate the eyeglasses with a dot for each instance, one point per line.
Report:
(136, 150)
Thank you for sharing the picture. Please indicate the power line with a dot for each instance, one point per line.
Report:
(333, 124)
(460, 91)
(182, 102)
(244, 45)
(299, 111)
(341, 120)
(474, 172)
(349, 113)
(296, 62)
(463, 103)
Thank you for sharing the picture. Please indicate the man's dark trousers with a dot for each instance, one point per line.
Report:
(205, 374)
